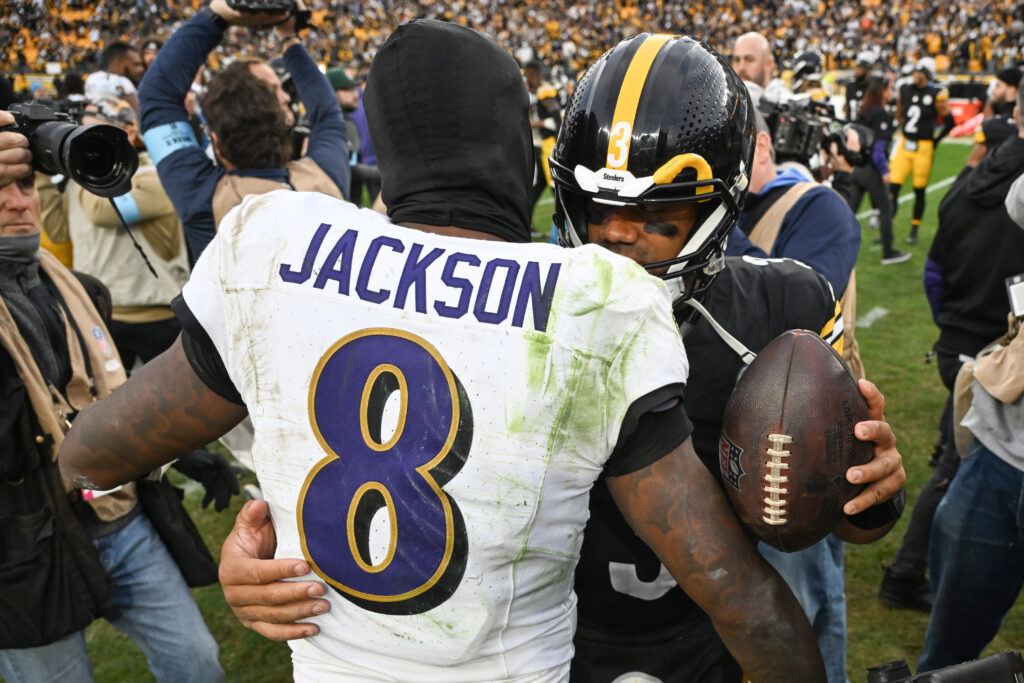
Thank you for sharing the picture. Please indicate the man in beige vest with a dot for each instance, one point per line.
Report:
(56, 357)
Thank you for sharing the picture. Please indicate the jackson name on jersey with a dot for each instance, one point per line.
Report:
(430, 414)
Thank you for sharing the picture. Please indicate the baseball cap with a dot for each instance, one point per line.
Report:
(1010, 76)
(339, 80)
(112, 110)
(866, 58)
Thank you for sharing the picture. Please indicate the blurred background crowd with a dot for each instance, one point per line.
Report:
(47, 36)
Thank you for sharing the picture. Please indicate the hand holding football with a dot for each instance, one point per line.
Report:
(787, 441)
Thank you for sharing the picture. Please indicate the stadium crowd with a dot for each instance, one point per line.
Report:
(213, 106)
(987, 34)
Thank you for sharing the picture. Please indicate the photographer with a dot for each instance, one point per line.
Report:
(250, 123)
(976, 247)
(65, 560)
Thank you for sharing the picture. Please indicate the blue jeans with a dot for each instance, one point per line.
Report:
(815, 575)
(152, 605)
(976, 557)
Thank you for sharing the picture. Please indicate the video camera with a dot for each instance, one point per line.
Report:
(1004, 667)
(801, 126)
(98, 157)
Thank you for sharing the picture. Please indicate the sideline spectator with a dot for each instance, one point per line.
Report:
(999, 125)
(122, 70)
(367, 154)
(976, 247)
(873, 176)
(250, 125)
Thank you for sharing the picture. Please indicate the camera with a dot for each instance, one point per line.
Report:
(798, 126)
(1004, 667)
(274, 6)
(98, 157)
(865, 139)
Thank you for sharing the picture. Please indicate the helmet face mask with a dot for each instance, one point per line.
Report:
(658, 121)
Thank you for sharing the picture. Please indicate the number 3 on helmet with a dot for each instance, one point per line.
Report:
(658, 120)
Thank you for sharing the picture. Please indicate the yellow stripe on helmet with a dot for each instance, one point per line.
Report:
(668, 172)
(629, 100)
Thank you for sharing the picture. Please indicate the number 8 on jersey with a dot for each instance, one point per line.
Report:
(416, 560)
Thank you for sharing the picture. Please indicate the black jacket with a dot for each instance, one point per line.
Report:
(976, 248)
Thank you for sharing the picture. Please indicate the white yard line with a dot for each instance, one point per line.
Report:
(869, 318)
(910, 195)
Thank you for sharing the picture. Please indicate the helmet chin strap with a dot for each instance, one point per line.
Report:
(745, 354)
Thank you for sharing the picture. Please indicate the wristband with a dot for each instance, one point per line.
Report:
(879, 515)
(217, 19)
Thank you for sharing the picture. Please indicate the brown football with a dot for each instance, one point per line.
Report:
(787, 441)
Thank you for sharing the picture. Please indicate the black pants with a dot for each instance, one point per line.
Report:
(912, 557)
(868, 179)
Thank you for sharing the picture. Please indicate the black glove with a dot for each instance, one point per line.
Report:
(212, 471)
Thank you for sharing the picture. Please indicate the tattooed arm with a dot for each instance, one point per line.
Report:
(162, 412)
(679, 510)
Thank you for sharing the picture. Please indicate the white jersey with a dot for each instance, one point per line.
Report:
(430, 414)
(101, 84)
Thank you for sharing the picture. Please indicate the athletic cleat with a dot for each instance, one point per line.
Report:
(912, 237)
(896, 257)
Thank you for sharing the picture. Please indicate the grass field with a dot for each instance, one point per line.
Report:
(893, 349)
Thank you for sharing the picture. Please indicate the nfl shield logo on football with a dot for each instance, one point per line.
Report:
(101, 341)
(729, 461)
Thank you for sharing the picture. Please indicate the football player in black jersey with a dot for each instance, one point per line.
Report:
(921, 107)
(687, 124)
(859, 85)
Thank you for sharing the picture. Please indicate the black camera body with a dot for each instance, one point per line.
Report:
(1004, 667)
(98, 157)
(800, 126)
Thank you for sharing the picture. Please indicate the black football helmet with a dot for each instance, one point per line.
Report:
(806, 69)
(657, 120)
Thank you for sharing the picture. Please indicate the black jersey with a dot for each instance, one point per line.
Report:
(919, 112)
(880, 122)
(628, 602)
(855, 95)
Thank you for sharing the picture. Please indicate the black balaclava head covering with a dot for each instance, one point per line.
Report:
(449, 117)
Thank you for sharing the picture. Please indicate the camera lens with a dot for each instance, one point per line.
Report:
(98, 157)
(94, 160)
(101, 159)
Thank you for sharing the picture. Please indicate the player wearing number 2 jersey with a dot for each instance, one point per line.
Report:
(431, 411)
(921, 107)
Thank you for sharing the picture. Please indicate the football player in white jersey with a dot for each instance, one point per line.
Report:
(431, 411)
